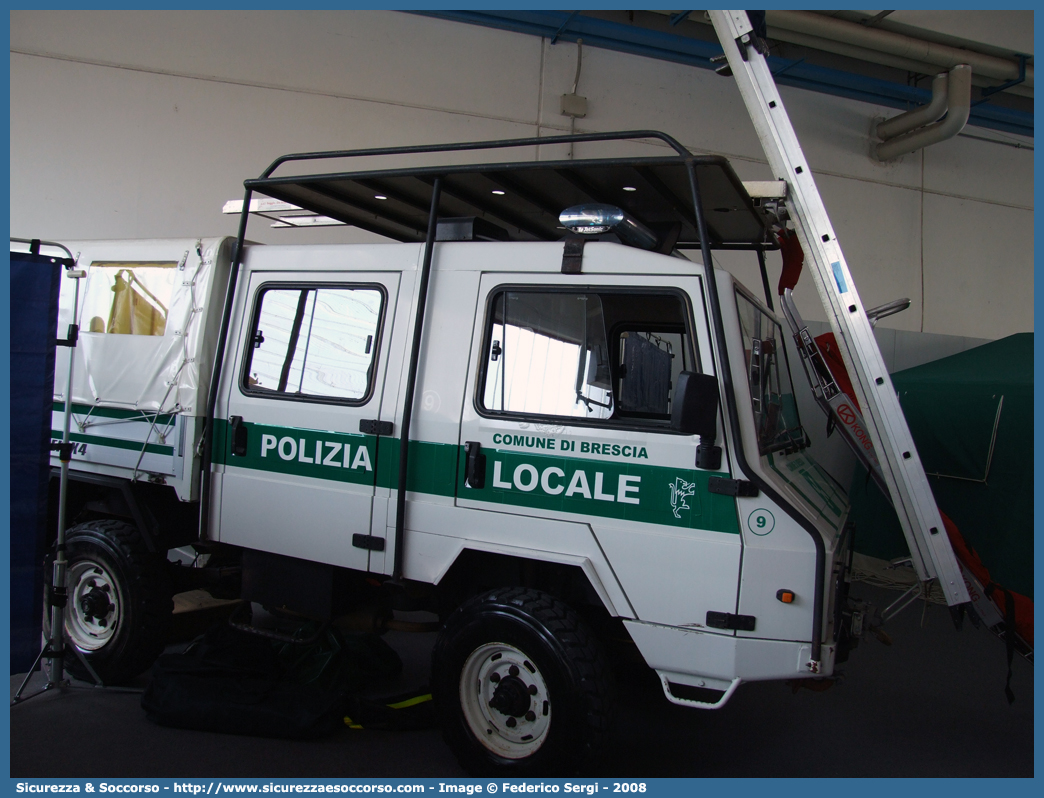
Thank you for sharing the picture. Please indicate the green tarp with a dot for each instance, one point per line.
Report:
(971, 416)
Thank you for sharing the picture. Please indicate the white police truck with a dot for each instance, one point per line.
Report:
(529, 412)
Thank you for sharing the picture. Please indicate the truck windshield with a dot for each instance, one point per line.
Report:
(768, 374)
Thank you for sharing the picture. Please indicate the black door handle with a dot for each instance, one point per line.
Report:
(239, 436)
(475, 473)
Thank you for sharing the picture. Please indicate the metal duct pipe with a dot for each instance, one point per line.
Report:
(957, 109)
(897, 44)
(918, 117)
(884, 59)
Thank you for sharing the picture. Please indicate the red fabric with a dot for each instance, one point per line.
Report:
(793, 259)
(832, 355)
(967, 555)
(1023, 617)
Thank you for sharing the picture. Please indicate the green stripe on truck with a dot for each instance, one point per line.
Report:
(145, 416)
(319, 454)
(624, 490)
(629, 491)
(114, 443)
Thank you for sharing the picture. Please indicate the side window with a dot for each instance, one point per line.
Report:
(313, 342)
(548, 356)
(599, 355)
(128, 298)
(768, 374)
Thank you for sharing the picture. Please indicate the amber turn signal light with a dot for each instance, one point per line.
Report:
(786, 596)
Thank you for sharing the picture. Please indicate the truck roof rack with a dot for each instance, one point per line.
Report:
(671, 195)
(525, 198)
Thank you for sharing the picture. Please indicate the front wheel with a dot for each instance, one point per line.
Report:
(120, 601)
(521, 686)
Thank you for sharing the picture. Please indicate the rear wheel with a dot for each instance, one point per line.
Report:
(521, 685)
(120, 601)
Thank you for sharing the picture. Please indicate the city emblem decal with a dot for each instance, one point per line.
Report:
(680, 489)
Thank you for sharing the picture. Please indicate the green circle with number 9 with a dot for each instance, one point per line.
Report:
(761, 522)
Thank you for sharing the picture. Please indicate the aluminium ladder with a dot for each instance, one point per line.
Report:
(930, 549)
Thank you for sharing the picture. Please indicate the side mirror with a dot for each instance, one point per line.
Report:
(695, 410)
(695, 405)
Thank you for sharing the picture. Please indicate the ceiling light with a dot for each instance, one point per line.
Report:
(498, 192)
(629, 188)
(379, 196)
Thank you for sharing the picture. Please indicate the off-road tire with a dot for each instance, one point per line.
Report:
(120, 601)
(513, 663)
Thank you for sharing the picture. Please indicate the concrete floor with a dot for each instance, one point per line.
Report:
(932, 704)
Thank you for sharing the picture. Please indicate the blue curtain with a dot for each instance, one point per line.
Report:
(35, 282)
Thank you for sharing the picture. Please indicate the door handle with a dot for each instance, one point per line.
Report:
(239, 436)
(371, 426)
(475, 472)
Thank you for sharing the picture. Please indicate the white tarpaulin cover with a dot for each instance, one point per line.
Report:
(149, 311)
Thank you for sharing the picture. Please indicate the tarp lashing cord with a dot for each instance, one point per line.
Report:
(84, 422)
(155, 418)
(1017, 609)
(152, 418)
(177, 374)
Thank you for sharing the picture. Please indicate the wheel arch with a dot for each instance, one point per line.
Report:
(534, 639)
(571, 578)
(163, 521)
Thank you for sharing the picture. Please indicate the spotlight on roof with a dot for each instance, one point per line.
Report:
(596, 219)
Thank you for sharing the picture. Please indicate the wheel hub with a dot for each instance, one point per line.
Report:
(511, 697)
(94, 605)
(505, 700)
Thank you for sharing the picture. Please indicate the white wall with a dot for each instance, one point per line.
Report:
(142, 123)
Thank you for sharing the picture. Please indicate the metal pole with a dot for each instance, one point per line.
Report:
(58, 594)
(765, 279)
(411, 379)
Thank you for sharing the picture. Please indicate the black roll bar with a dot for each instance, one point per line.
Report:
(411, 381)
(497, 144)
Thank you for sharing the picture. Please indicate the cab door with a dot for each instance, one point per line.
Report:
(573, 383)
(299, 447)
